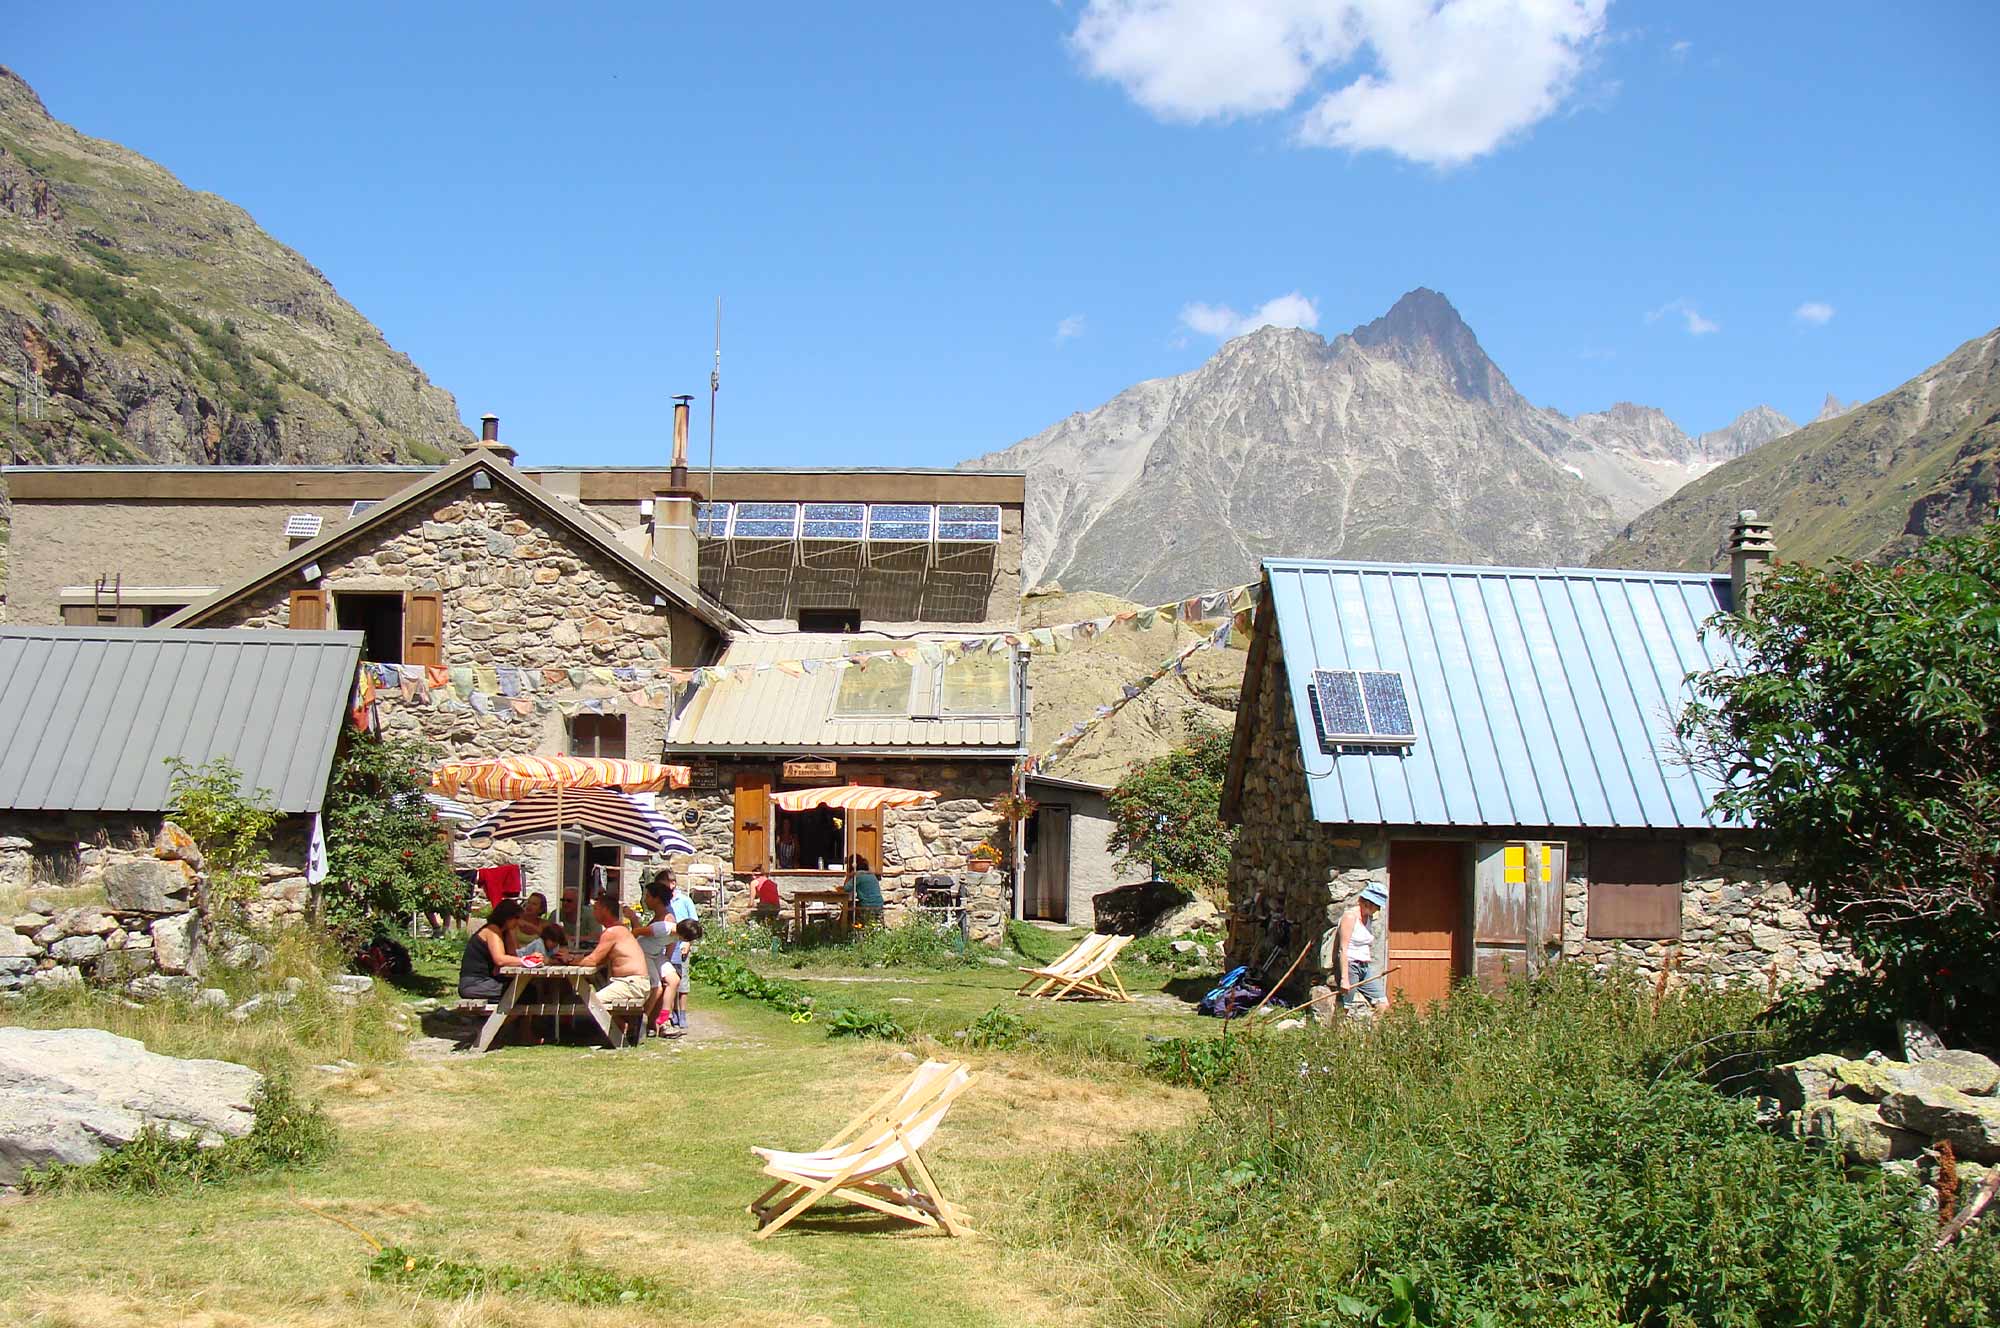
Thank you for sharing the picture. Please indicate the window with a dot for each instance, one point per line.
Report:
(1635, 889)
(829, 620)
(769, 838)
(378, 616)
(881, 688)
(981, 683)
(597, 735)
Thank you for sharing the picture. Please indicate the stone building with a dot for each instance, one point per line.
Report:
(1494, 745)
(1069, 860)
(488, 571)
(89, 719)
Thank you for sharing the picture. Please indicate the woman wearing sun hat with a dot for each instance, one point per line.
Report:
(1354, 945)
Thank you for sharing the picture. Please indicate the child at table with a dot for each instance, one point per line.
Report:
(686, 933)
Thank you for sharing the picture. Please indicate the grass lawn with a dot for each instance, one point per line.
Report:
(636, 1162)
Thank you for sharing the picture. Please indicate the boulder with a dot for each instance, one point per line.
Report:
(175, 941)
(73, 1094)
(124, 965)
(177, 845)
(160, 986)
(1131, 910)
(1195, 915)
(1799, 1084)
(13, 945)
(88, 920)
(1967, 1071)
(1920, 1041)
(1860, 1131)
(77, 949)
(211, 998)
(31, 922)
(148, 885)
(1970, 1124)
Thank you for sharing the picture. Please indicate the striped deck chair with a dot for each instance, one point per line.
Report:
(1089, 978)
(1041, 979)
(885, 1138)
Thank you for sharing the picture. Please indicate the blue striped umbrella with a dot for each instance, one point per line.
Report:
(607, 813)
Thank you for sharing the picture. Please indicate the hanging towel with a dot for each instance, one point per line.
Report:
(502, 882)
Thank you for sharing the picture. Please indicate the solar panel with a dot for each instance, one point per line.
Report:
(302, 525)
(360, 505)
(765, 521)
(834, 521)
(1337, 696)
(1388, 705)
(712, 520)
(900, 523)
(968, 523)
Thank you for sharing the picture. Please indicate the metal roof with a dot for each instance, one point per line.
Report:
(1542, 696)
(89, 715)
(775, 710)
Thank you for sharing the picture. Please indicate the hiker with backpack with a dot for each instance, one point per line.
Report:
(1356, 968)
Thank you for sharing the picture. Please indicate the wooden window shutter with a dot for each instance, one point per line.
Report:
(753, 822)
(423, 627)
(79, 615)
(864, 829)
(1635, 889)
(309, 611)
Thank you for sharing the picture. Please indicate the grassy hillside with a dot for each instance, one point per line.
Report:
(1921, 460)
(143, 321)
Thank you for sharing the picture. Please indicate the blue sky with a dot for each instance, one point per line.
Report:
(938, 228)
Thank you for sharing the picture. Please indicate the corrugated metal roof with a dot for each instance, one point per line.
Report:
(1542, 696)
(89, 715)
(774, 709)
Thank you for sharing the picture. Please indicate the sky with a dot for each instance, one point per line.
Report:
(939, 228)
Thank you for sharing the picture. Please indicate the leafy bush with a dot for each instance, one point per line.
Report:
(726, 975)
(571, 1283)
(847, 1021)
(1159, 952)
(1195, 1062)
(1168, 813)
(1547, 1155)
(289, 1134)
(115, 308)
(386, 858)
(915, 942)
(999, 1029)
(232, 829)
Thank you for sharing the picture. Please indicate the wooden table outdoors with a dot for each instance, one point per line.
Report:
(520, 979)
(805, 898)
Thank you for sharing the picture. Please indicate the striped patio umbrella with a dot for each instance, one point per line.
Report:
(855, 797)
(606, 813)
(518, 776)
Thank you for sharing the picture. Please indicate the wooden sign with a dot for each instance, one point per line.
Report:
(809, 769)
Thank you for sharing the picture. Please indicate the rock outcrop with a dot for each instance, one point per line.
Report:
(1879, 1110)
(71, 1095)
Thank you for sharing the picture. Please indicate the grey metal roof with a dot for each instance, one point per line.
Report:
(89, 715)
(1542, 696)
(772, 709)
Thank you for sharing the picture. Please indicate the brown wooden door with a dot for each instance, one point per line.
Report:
(1426, 919)
(864, 830)
(753, 822)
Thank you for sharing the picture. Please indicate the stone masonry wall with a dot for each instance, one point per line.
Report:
(921, 846)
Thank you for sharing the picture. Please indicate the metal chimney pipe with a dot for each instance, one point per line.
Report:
(489, 428)
(679, 477)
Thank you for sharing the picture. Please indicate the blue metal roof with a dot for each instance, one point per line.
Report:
(1542, 696)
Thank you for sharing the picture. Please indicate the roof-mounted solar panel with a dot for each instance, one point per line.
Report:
(302, 526)
(968, 523)
(711, 520)
(834, 521)
(900, 523)
(1366, 708)
(764, 521)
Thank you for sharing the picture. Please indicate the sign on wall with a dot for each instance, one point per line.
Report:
(808, 770)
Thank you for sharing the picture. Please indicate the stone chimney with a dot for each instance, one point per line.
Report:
(1750, 553)
(674, 542)
(489, 438)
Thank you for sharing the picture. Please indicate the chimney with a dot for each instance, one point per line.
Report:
(1750, 553)
(489, 437)
(674, 542)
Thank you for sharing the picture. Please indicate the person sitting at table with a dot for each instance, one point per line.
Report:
(528, 927)
(864, 890)
(549, 942)
(487, 950)
(766, 901)
(617, 951)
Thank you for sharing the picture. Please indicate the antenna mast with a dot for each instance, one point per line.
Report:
(714, 386)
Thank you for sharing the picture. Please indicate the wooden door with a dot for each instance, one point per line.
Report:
(753, 823)
(1516, 909)
(864, 830)
(1426, 918)
(1048, 886)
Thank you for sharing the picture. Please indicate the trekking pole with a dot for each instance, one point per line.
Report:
(1336, 993)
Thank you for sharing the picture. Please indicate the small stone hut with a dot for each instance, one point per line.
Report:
(1493, 745)
(1068, 856)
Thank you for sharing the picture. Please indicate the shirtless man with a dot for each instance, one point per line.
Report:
(625, 963)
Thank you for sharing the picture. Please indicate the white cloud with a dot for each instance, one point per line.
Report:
(1435, 81)
(1070, 328)
(1697, 325)
(1222, 322)
(1814, 313)
(1679, 50)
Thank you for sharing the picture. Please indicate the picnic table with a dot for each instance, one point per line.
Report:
(804, 900)
(520, 978)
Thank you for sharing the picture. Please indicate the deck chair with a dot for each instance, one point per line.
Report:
(1041, 979)
(885, 1138)
(1089, 979)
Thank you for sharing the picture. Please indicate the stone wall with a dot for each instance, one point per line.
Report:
(143, 929)
(922, 847)
(1290, 878)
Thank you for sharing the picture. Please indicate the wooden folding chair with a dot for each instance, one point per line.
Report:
(1090, 978)
(1059, 968)
(887, 1137)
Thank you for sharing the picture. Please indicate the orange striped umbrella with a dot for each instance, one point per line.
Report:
(518, 776)
(857, 797)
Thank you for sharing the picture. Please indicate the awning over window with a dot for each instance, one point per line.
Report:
(855, 797)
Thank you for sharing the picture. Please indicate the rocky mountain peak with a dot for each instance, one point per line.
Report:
(1831, 409)
(1753, 428)
(1422, 328)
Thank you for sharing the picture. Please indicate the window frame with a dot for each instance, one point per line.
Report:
(1012, 690)
(910, 693)
(1601, 894)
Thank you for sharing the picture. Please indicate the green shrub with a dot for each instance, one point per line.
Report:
(385, 858)
(232, 829)
(847, 1021)
(571, 1283)
(1544, 1156)
(289, 1134)
(1167, 814)
(999, 1029)
(915, 942)
(1195, 1062)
